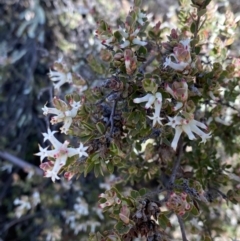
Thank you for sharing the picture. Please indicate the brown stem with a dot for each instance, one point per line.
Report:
(180, 221)
(112, 117)
(149, 61)
(176, 163)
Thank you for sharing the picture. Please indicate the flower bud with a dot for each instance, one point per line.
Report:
(105, 55)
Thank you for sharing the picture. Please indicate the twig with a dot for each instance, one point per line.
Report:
(176, 164)
(22, 219)
(226, 104)
(112, 117)
(5, 187)
(180, 221)
(144, 65)
(108, 47)
(21, 163)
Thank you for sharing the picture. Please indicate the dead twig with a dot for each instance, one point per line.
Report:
(21, 163)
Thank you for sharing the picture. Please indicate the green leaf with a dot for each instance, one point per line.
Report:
(142, 191)
(95, 157)
(129, 201)
(197, 49)
(88, 126)
(151, 34)
(95, 64)
(95, 237)
(142, 51)
(137, 3)
(194, 211)
(110, 167)
(100, 127)
(117, 191)
(118, 36)
(116, 160)
(122, 228)
(206, 238)
(91, 162)
(202, 12)
(193, 27)
(134, 194)
(97, 170)
(149, 85)
(86, 138)
(163, 221)
(206, 3)
(88, 168)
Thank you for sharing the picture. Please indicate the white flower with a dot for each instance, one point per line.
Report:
(60, 153)
(63, 116)
(140, 17)
(54, 235)
(149, 98)
(179, 90)
(108, 41)
(130, 38)
(157, 107)
(67, 123)
(122, 32)
(81, 207)
(186, 44)
(189, 127)
(173, 122)
(80, 227)
(82, 150)
(177, 66)
(36, 198)
(23, 205)
(60, 78)
(222, 121)
(125, 44)
(178, 106)
(181, 56)
(157, 101)
(139, 42)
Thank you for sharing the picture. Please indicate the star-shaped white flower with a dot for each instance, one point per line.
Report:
(181, 56)
(157, 110)
(177, 66)
(189, 127)
(130, 38)
(59, 78)
(60, 153)
(152, 99)
(82, 150)
(64, 115)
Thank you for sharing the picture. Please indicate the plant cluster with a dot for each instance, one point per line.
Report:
(184, 101)
(153, 124)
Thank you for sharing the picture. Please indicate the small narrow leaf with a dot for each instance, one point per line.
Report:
(194, 211)
(88, 168)
(193, 27)
(100, 127)
(202, 12)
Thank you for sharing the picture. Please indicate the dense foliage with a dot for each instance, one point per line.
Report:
(140, 134)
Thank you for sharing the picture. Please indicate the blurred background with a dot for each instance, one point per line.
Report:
(34, 34)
